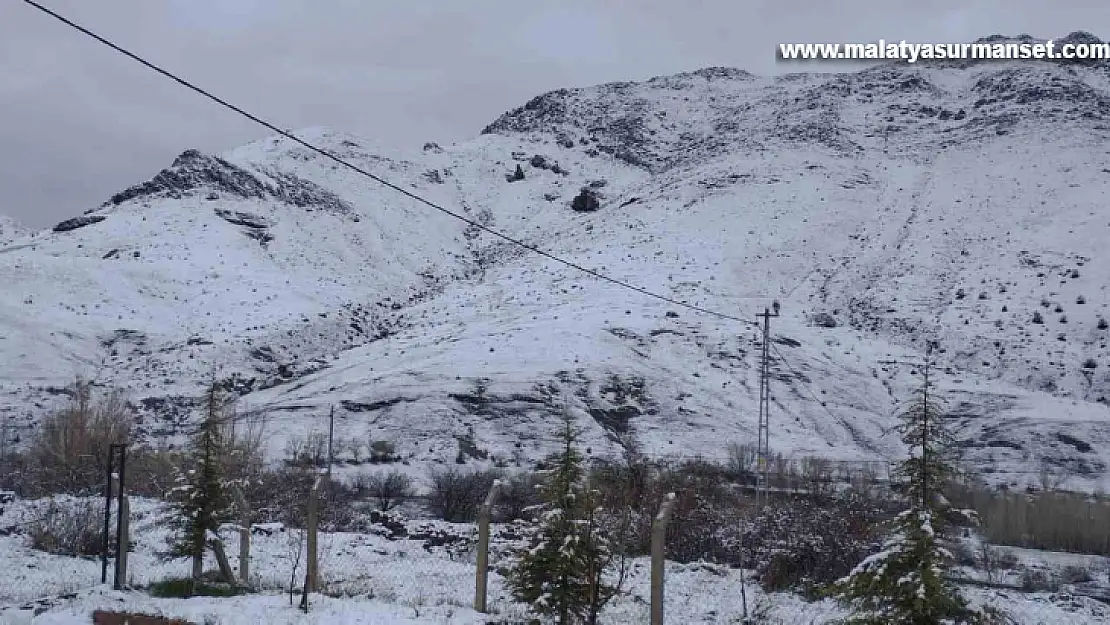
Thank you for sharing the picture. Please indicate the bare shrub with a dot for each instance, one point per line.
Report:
(153, 473)
(72, 528)
(625, 482)
(1073, 574)
(741, 458)
(282, 495)
(517, 496)
(242, 453)
(988, 562)
(382, 451)
(16, 473)
(704, 505)
(805, 543)
(1036, 580)
(355, 448)
(68, 451)
(389, 490)
(456, 494)
(294, 448)
(817, 475)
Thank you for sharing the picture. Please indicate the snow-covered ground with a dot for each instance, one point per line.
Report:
(950, 202)
(370, 579)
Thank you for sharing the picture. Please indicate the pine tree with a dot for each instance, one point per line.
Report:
(561, 574)
(905, 583)
(201, 503)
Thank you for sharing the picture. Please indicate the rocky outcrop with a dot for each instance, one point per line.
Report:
(78, 222)
(193, 172)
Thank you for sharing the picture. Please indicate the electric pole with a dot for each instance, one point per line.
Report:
(4, 440)
(763, 432)
(331, 440)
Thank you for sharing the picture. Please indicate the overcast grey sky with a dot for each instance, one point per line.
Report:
(79, 122)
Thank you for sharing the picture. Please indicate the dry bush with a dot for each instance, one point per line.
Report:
(1073, 574)
(388, 490)
(1036, 580)
(704, 504)
(382, 452)
(517, 496)
(71, 528)
(742, 459)
(281, 496)
(70, 447)
(16, 473)
(806, 543)
(456, 494)
(153, 473)
(242, 453)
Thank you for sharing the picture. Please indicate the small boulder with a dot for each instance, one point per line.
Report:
(586, 201)
(822, 320)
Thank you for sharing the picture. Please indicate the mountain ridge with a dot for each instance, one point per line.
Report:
(882, 207)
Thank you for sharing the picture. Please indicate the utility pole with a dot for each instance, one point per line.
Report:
(331, 441)
(763, 433)
(4, 440)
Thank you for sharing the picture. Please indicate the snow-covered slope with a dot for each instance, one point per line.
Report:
(9, 230)
(881, 208)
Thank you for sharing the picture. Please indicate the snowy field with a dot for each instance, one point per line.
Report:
(372, 579)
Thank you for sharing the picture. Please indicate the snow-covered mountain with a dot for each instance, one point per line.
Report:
(961, 202)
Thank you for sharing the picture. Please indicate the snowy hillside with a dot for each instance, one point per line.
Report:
(879, 207)
(9, 230)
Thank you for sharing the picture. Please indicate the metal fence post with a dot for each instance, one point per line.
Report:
(121, 522)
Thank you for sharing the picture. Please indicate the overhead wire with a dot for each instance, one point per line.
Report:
(382, 181)
(414, 196)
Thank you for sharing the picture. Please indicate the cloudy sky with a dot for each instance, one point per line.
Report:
(79, 122)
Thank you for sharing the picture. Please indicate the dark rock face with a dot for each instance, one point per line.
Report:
(193, 172)
(240, 218)
(586, 201)
(78, 222)
(823, 320)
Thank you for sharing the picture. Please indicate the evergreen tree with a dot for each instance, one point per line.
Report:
(905, 583)
(201, 502)
(561, 573)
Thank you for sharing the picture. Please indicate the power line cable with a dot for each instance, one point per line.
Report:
(378, 179)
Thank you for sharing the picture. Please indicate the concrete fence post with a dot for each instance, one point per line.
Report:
(312, 563)
(485, 512)
(658, 544)
(245, 556)
(244, 539)
(311, 574)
